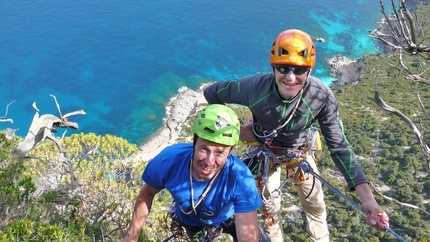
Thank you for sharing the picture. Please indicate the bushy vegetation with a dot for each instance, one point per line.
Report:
(85, 194)
(88, 192)
(387, 148)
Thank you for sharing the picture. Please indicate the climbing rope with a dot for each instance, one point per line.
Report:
(307, 168)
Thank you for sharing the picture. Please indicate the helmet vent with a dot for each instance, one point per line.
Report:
(282, 51)
(304, 53)
(209, 130)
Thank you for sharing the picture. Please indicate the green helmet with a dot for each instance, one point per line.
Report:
(217, 123)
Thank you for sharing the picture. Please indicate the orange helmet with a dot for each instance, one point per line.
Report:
(293, 47)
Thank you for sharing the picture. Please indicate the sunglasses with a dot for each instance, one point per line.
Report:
(297, 70)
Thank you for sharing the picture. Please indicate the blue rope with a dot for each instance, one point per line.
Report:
(171, 237)
(308, 169)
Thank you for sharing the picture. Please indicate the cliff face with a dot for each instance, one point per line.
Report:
(345, 70)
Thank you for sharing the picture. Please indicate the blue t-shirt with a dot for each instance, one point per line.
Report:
(233, 191)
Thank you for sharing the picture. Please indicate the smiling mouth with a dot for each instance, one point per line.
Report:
(207, 168)
(290, 84)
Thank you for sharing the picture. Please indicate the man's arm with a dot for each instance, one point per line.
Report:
(141, 211)
(247, 226)
(376, 217)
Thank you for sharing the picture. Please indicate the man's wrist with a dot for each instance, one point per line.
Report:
(364, 192)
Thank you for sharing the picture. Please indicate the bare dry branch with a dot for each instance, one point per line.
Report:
(56, 104)
(398, 202)
(6, 120)
(43, 127)
(2, 119)
(378, 100)
(422, 106)
(409, 74)
(402, 31)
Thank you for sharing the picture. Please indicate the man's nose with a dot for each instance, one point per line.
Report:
(210, 159)
(290, 75)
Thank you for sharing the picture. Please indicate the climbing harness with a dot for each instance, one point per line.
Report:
(206, 233)
(308, 169)
(263, 162)
(175, 227)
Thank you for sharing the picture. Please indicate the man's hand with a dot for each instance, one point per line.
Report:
(375, 216)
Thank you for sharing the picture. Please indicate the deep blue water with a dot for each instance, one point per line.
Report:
(121, 61)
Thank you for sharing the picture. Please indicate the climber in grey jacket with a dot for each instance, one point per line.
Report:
(284, 106)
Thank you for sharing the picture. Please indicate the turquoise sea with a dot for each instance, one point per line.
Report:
(121, 61)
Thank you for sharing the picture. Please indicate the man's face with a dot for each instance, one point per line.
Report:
(290, 81)
(209, 158)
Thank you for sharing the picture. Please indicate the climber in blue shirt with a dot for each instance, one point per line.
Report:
(211, 187)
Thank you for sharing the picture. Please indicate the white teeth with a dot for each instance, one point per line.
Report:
(289, 84)
(207, 168)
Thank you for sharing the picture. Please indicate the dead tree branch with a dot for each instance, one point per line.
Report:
(422, 106)
(402, 32)
(381, 103)
(398, 202)
(43, 127)
(409, 74)
(3, 119)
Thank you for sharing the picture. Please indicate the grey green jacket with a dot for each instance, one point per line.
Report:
(259, 93)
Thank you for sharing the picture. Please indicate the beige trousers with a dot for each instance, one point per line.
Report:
(313, 206)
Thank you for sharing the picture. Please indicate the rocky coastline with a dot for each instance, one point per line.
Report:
(345, 70)
(179, 108)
